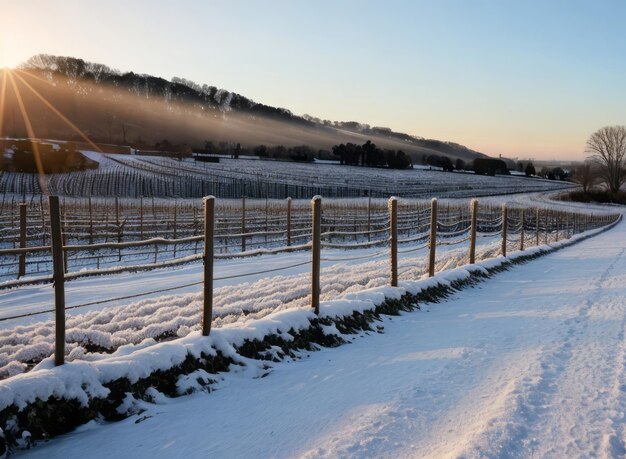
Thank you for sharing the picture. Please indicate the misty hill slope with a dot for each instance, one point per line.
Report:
(129, 108)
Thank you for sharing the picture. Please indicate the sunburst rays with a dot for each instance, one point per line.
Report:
(16, 80)
(43, 184)
(58, 113)
(3, 93)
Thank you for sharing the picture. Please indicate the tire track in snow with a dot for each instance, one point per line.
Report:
(574, 391)
(616, 440)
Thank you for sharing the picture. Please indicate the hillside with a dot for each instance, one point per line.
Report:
(143, 110)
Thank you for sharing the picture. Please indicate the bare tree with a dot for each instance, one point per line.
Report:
(607, 147)
(586, 175)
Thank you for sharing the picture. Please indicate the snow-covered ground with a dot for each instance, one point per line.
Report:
(530, 363)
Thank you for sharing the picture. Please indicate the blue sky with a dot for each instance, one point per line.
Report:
(527, 79)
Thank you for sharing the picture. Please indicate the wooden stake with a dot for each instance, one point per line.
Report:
(432, 242)
(266, 217)
(522, 235)
(504, 228)
(537, 226)
(43, 221)
(117, 215)
(472, 250)
(393, 241)
(288, 221)
(369, 218)
(209, 227)
(557, 223)
(243, 223)
(90, 222)
(22, 263)
(316, 246)
(59, 279)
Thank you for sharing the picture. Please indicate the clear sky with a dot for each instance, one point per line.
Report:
(522, 78)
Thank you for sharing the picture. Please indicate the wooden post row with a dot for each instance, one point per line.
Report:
(432, 242)
(207, 257)
(316, 245)
(393, 240)
(59, 279)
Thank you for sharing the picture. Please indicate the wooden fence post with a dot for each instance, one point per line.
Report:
(504, 228)
(243, 223)
(59, 279)
(43, 220)
(568, 225)
(141, 218)
(472, 250)
(288, 221)
(22, 263)
(316, 245)
(117, 216)
(522, 232)
(175, 225)
(369, 218)
(432, 242)
(537, 226)
(393, 240)
(90, 222)
(154, 219)
(207, 256)
(557, 222)
(267, 210)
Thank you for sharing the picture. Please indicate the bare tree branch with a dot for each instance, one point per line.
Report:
(607, 148)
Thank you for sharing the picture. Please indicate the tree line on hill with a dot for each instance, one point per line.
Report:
(148, 86)
(370, 155)
(79, 74)
(301, 153)
(451, 148)
(367, 155)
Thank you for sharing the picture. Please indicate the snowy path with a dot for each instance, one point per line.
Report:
(529, 364)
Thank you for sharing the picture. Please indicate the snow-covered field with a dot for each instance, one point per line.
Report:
(236, 299)
(134, 176)
(530, 363)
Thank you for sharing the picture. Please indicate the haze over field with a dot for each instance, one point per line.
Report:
(141, 110)
(530, 79)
